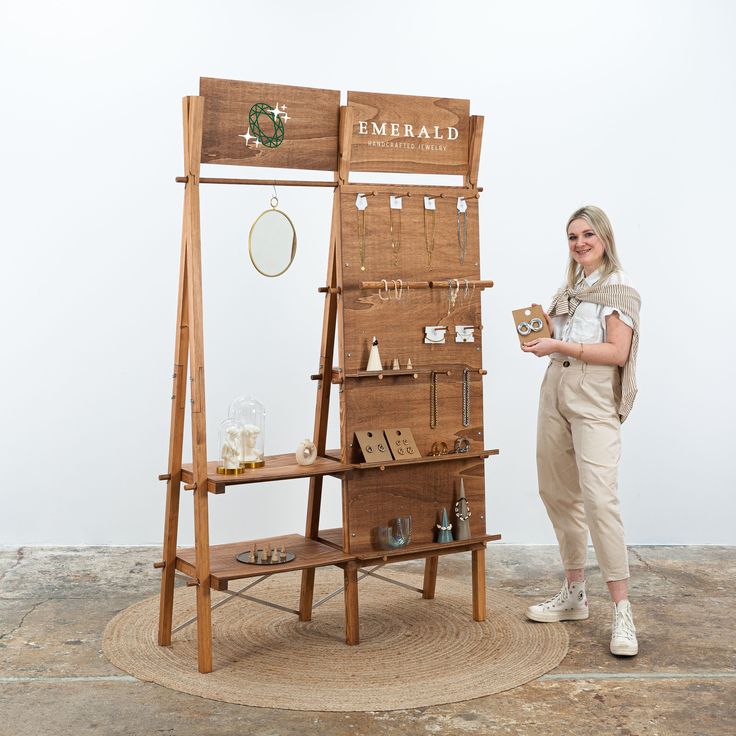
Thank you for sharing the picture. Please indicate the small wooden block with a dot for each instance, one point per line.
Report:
(401, 442)
(374, 445)
(526, 314)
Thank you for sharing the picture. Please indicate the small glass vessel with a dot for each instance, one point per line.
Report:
(252, 415)
(397, 534)
(232, 434)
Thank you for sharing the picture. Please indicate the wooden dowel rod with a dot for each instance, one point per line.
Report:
(159, 565)
(329, 290)
(164, 476)
(443, 284)
(261, 182)
(390, 282)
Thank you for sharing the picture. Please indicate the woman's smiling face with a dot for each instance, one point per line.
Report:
(585, 246)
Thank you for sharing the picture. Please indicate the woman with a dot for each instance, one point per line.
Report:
(587, 392)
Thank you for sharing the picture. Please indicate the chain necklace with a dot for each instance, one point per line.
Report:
(433, 400)
(462, 233)
(466, 398)
(361, 237)
(429, 241)
(395, 240)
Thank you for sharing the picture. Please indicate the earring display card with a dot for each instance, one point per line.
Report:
(373, 445)
(401, 442)
(530, 324)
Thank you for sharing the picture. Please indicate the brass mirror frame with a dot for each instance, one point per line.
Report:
(293, 243)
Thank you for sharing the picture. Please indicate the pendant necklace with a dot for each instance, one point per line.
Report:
(462, 233)
(395, 233)
(361, 237)
(429, 234)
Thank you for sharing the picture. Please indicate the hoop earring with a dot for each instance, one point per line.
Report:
(385, 286)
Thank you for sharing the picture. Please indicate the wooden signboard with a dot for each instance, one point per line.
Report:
(274, 125)
(402, 133)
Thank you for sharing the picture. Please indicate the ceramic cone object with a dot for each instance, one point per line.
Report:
(374, 359)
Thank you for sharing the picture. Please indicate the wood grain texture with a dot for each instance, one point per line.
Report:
(225, 568)
(375, 497)
(310, 135)
(277, 467)
(409, 134)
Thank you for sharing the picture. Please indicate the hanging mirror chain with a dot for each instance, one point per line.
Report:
(466, 398)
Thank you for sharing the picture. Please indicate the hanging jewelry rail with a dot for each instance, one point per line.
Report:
(427, 284)
(263, 182)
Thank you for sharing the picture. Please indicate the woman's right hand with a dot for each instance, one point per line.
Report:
(547, 319)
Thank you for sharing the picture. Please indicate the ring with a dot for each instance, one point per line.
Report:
(438, 448)
(536, 324)
(462, 444)
(524, 328)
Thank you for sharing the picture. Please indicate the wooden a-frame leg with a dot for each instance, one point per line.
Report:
(306, 594)
(430, 577)
(166, 598)
(204, 592)
(352, 620)
(479, 584)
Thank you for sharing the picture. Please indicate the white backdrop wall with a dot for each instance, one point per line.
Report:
(627, 105)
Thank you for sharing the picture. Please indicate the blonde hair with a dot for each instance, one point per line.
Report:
(601, 226)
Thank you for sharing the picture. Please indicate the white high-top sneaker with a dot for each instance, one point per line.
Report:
(623, 633)
(570, 604)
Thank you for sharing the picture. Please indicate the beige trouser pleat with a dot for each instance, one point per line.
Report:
(578, 450)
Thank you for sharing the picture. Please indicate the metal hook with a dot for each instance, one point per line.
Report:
(275, 198)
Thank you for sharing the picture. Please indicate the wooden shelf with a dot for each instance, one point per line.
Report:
(277, 467)
(225, 568)
(333, 538)
(426, 459)
(338, 376)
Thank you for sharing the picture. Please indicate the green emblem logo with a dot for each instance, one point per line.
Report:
(266, 124)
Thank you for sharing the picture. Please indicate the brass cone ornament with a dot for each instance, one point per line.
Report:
(374, 359)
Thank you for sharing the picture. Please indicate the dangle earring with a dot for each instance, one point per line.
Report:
(385, 286)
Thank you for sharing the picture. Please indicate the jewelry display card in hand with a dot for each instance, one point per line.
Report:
(401, 442)
(374, 446)
(530, 324)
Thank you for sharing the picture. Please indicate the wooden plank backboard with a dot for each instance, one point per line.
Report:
(274, 125)
(408, 134)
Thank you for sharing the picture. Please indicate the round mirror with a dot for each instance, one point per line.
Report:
(272, 242)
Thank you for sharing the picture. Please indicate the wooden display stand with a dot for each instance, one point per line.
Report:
(387, 133)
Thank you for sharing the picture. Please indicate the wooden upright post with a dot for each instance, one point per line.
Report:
(327, 351)
(194, 119)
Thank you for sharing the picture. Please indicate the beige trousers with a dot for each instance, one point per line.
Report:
(578, 449)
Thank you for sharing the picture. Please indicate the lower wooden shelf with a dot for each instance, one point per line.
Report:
(333, 538)
(224, 567)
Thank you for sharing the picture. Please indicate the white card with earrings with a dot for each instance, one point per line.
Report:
(434, 334)
(464, 333)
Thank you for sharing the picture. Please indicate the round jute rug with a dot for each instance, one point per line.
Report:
(412, 652)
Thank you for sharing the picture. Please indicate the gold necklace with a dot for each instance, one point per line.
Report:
(429, 242)
(395, 241)
(361, 237)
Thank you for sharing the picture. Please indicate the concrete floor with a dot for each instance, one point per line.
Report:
(55, 603)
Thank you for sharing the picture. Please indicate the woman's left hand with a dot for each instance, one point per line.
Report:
(541, 347)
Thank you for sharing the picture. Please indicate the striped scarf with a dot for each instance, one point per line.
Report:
(625, 299)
